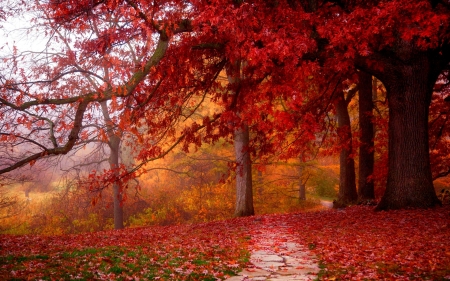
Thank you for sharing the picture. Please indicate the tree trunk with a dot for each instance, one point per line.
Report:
(244, 186)
(409, 182)
(302, 182)
(302, 192)
(244, 189)
(366, 152)
(114, 145)
(347, 185)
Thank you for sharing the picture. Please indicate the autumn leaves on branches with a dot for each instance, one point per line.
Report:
(155, 64)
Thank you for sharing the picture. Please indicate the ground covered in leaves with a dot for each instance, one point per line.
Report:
(352, 244)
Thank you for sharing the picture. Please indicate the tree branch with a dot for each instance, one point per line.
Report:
(72, 139)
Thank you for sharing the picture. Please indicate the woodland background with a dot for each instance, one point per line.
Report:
(134, 113)
(203, 118)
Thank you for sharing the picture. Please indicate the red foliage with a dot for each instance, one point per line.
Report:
(439, 135)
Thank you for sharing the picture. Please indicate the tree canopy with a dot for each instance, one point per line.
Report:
(154, 63)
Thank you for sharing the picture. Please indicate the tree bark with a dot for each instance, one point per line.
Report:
(244, 188)
(366, 152)
(347, 185)
(302, 192)
(302, 182)
(409, 182)
(114, 145)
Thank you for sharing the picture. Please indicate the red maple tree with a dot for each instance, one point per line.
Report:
(296, 53)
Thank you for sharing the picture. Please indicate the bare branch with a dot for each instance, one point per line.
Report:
(72, 139)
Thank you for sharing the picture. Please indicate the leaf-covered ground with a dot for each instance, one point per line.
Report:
(359, 244)
(352, 244)
(188, 252)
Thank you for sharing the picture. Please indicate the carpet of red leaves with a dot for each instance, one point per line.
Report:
(352, 244)
(359, 244)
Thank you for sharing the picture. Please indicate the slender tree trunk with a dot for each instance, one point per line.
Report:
(366, 150)
(302, 192)
(347, 185)
(409, 183)
(114, 145)
(244, 188)
(302, 182)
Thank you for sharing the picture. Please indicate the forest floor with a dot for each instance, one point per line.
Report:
(350, 244)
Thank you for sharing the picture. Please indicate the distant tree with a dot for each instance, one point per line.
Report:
(303, 176)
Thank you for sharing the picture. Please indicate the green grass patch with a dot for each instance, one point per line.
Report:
(200, 262)
(21, 259)
(117, 269)
(80, 253)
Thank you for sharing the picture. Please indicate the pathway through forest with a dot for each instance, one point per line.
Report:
(274, 255)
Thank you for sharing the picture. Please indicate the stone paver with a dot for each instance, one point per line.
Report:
(275, 257)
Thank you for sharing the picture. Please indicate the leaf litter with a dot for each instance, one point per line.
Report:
(352, 244)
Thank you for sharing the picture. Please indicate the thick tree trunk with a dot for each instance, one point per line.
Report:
(244, 185)
(366, 152)
(347, 185)
(409, 183)
(244, 189)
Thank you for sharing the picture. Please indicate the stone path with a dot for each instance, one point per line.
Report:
(275, 257)
(326, 204)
